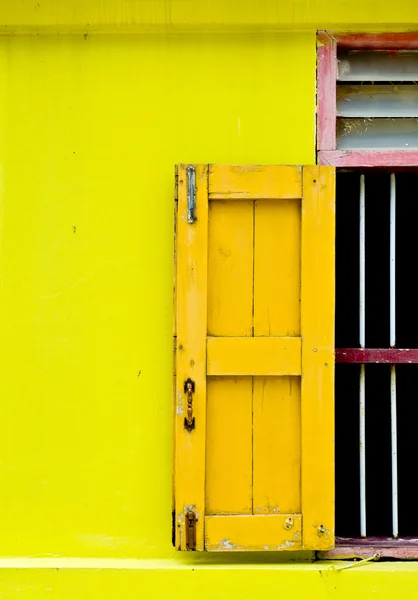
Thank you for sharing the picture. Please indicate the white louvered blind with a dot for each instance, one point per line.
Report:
(377, 100)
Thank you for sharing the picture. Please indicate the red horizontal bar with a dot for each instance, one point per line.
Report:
(377, 41)
(368, 158)
(402, 548)
(390, 356)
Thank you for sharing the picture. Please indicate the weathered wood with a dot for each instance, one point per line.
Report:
(191, 300)
(326, 88)
(229, 439)
(377, 41)
(369, 158)
(236, 533)
(317, 329)
(390, 356)
(401, 548)
(254, 182)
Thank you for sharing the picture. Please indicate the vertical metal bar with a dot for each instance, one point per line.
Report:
(362, 263)
(362, 367)
(394, 430)
(392, 259)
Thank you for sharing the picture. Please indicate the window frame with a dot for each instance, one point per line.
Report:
(327, 152)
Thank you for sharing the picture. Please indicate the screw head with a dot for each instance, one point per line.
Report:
(288, 524)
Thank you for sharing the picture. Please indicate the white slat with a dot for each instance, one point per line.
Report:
(378, 65)
(394, 134)
(377, 100)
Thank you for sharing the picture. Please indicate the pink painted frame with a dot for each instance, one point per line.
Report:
(327, 153)
(384, 356)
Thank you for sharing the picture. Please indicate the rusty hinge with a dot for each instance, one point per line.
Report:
(189, 421)
(191, 521)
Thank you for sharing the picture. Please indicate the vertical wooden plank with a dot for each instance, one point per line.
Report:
(230, 276)
(317, 321)
(173, 403)
(230, 313)
(229, 446)
(276, 401)
(277, 268)
(191, 296)
(277, 450)
(326, 92)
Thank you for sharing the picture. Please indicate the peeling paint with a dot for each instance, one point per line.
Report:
(287, 544)
(227, 545)
(179, 406)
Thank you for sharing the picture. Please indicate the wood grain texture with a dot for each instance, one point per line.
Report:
(230, 268)
(244, 533)
(254, 356)
(253, 182)
(229, 446)
(326, 92)
(378, 41)
(389, 356)
(191, 298)
(318, 308)
(277, 449)
(401, 548)
(369, 158)
(277, 268)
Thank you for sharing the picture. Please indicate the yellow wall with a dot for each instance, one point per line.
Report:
(90, 129)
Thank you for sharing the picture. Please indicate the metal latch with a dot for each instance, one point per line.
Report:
(189, 421)
(191, 194)
(191, 521)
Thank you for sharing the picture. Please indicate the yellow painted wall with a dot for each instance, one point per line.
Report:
(90, 129)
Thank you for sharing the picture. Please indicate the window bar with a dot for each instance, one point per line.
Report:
(362, 390)
(392, 345)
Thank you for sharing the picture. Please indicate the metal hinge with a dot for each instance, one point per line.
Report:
(191, 521)
(191, 194)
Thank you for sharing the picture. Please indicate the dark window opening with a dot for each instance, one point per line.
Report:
(377, 394)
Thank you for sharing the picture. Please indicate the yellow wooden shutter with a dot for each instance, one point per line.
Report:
(254, 428)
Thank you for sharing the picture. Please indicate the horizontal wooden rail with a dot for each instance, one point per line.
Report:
(254, 182)
(254, 356)
(253, 532)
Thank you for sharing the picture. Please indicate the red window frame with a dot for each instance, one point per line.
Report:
(327, 153)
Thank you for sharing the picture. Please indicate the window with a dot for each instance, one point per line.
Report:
(367, 124)
(377, 362)
(367, 100)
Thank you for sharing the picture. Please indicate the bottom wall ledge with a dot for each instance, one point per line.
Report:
(87, 579)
